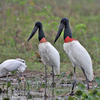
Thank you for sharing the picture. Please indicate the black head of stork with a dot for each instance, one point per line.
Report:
(38, 25)
(64, 24)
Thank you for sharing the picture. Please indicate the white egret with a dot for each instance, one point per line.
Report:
(12, 65)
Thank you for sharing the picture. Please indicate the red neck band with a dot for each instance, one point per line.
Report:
(43, 40)
(68, 39)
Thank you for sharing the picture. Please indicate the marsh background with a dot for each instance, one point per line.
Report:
(17, 18)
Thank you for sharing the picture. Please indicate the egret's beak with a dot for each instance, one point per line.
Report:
(33, 32)
(59, 31)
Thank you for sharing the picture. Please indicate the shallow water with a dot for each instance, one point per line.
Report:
(33, 88)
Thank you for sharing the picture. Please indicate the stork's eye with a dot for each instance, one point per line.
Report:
(23, 61)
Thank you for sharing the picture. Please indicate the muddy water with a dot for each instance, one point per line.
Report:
(33, 88)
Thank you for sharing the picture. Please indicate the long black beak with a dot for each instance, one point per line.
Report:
(33, 32)
(59, 31)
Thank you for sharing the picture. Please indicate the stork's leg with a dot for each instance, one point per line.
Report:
(86, 78)
(53, 84)
(74, 83)
(45, 81)
(52, 93)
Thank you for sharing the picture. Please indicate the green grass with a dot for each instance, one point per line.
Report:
(18, 18)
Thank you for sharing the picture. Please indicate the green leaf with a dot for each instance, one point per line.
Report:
(0, 90)
(71, 98)
(43, 85)
(78, 93)
(8, 84)
(81, 86)
(84, 95)
(6, 99)
(97, 79)
(98, 93)
(93, 92)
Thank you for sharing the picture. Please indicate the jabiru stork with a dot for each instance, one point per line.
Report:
(48, 53)
(77, 54)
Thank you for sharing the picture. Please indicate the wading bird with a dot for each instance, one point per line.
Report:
(12, 65)
(77, 54)
(49, 55)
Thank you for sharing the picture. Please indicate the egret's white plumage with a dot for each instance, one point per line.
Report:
(79, 57)
(12, 65)
(50, 56)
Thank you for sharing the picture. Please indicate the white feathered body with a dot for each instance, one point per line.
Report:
(79, 57)
(12, 65)
(50, 56)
